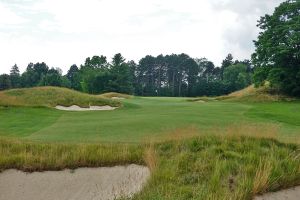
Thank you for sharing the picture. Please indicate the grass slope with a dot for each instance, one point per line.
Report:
(229, 168)
(249, 94)
(252, 94)
(50, 97)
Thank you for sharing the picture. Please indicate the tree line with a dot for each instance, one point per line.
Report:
(277, 54)
(276, 60)
(169, 75)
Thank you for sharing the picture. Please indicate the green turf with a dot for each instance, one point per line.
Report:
(143, 118)
(287, 113)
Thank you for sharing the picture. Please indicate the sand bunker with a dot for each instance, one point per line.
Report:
(289, 194)
(91, 108)
(118, 98)
(103, 183)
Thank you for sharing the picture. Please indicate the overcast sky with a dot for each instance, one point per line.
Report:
(65, 32)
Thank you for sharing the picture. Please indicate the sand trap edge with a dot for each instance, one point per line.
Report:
(81, 184)
(287, 194)
(78, 108)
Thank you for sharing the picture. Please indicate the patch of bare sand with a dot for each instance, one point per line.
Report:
(91, 108)
(118, 98)
(289, 194)
(105, 183)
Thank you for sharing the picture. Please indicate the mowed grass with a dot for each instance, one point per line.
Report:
(146, 118)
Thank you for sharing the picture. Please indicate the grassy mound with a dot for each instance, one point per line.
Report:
(50, 97)
(115, 94)
(252, 94)
(249, 94)
(208, 167)
(211, 167)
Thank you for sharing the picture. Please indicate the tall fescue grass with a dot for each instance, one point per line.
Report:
(150, 157)
(230, 167)
(52, 96)
(249, 94)
(234, 130)
(262, 175)
(30, 156)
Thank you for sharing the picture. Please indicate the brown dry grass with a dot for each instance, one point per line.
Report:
(6, 100)
(35, 156)
(150, 157)
(266, 131)
(176, 134)
(252, 94)
(262, 177)
(269, 131)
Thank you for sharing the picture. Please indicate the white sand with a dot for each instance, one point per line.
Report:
(289, 194)
(118, 98)
(91, 108)
(105, 183)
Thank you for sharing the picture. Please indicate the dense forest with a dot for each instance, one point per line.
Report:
(170, 75)
(277, 54)
(276, 59)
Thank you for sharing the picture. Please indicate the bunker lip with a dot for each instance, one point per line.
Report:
(287, 194)
(78, 108)
(118, 98)
(81, 184)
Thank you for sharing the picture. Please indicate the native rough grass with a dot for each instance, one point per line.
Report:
(33, 156)
(51, 97)
(215, 167)
(249, 94)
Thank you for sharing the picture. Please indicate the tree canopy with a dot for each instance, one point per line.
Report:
(277, 54)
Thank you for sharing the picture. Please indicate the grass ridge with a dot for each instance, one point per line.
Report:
(52, 96)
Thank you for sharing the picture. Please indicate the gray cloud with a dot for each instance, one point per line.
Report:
(244, 30)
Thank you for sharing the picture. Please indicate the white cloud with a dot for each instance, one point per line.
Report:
(63, 32)
(8, 17)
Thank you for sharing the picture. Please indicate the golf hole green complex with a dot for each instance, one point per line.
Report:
(234, 147)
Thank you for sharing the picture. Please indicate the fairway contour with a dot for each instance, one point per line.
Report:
(105, 183)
